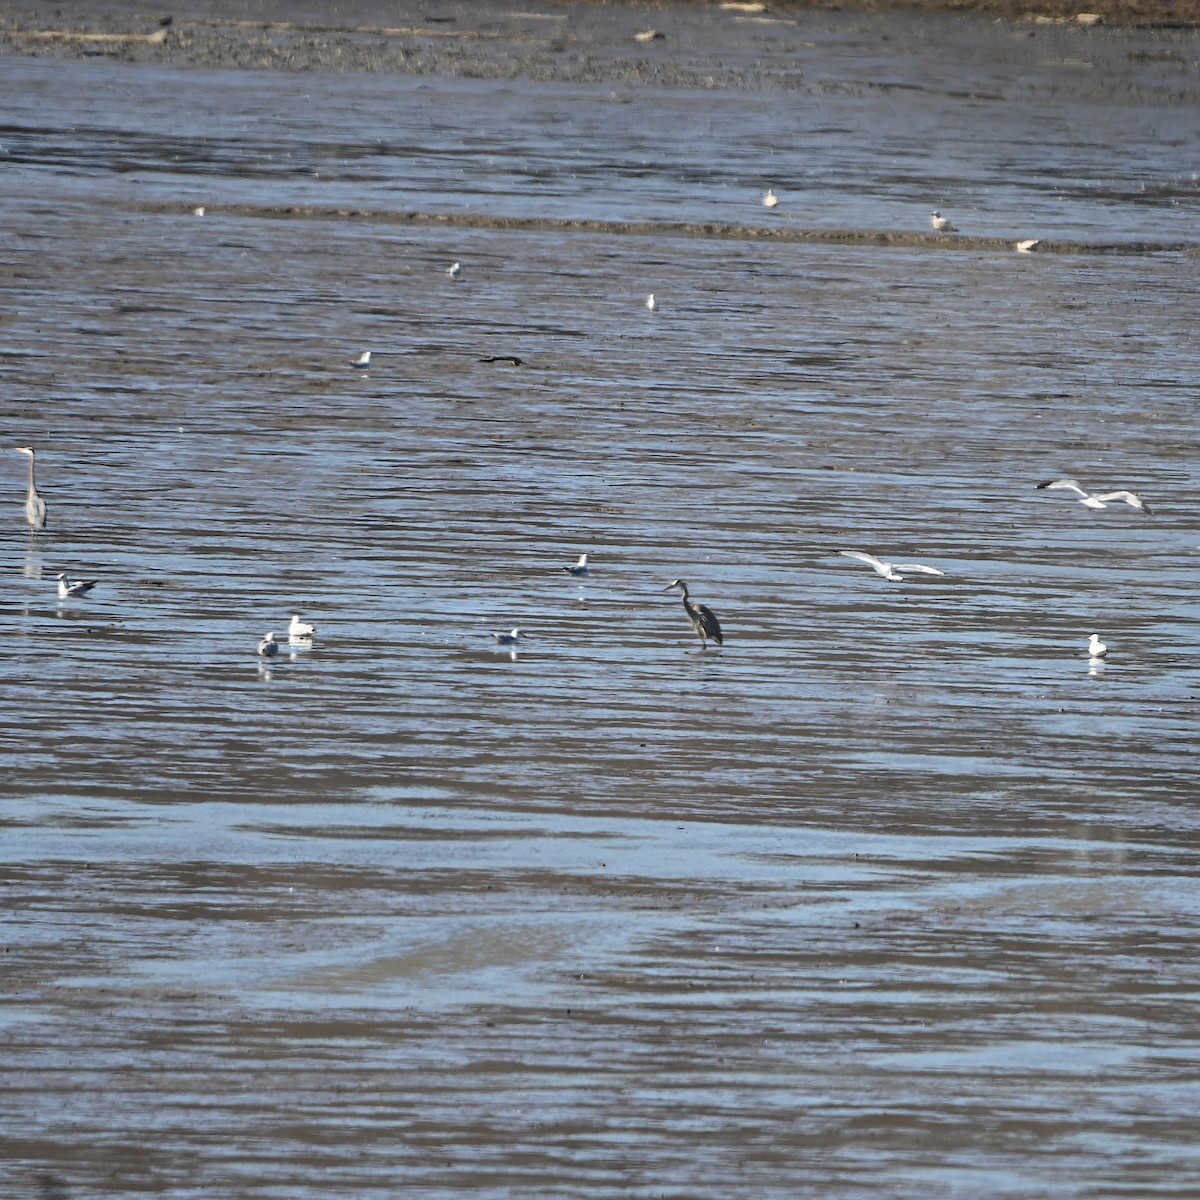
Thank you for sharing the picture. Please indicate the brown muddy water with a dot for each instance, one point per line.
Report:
(891, 895)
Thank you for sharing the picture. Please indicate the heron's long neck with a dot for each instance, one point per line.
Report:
(31, 486)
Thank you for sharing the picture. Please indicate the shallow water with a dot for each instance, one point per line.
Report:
(890, 895)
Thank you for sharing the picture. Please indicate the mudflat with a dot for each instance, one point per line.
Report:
(891, 894)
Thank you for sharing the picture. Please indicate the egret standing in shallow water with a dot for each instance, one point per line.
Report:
(704, 620)
(35, 506)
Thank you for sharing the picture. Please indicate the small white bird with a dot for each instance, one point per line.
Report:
(651, 303)
(298, 629)
(1096, 648)
(268, 647)
(454, 270)
(940, 223)
(890, 570)
(1096, 500)
(77, 587)
(770, 200)
(508, 639)
(198, 211)
(1028, 246)
(363, 361)
(580, 568)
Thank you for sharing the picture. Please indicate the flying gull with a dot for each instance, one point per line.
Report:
(1094, 499)
(890, 570)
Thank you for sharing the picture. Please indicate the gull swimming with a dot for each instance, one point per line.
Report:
(651, 303)
(35, 506)
(703, 619)
(770, 200)
(363, 361)
(580, 568)
(298, 629)
(508, 639)
(1028, 246)
(1096, 648)
(454, 270)
(890, 570)
(940, 223)
(268, 647)
(77, 587)
(1097, 499)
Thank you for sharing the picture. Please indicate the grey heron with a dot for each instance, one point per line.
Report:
(889, 570)
(1093, 499)
(703, 619)
(299, 629)
(940, 223)
(508, 639)
(1096, 648)
(268, 647)
(35, 506)
(580, 568)
(73, 588)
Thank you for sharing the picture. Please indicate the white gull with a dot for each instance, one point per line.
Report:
(1096, 499)
(890, 570)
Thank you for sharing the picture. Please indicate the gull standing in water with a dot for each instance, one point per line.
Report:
(268, 647)
(299, 631)
(508, 639)
(770, 200)
(1094, 499)
(68, 589)
(941, 224)
(703, 619)
(35, 506)
(890, 570)
(363, 361)
(454, 270)
(580, 568)
(1096, 648)
(651, 303)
